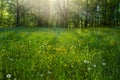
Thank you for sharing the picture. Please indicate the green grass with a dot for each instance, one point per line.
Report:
(59, 54)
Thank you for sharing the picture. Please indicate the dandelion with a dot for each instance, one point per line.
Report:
(103, 63)
(94, 65)
(8, 76)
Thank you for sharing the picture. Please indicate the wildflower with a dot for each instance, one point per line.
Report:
(71, 65)
(41, 75)
(42, 46)
(99, 52)
(94, 65)
(11, 59)
(3, 50)
(30, 41)
(14, 79)
(19, 42)
(103, 63)
(75, 47)
(65, 65)
(88, 68)
(8, 76)
(85, 61)
(39, 51)
(21, 46)
(49, 72)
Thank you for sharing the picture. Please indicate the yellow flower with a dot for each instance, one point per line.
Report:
(65, 65)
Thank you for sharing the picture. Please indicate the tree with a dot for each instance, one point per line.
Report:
(63, 13)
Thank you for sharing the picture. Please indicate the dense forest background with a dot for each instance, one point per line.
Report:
(59, 13)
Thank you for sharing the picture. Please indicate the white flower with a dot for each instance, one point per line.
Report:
(11, 59)
(85, 61)
(41, 75)
(88, 68)
(15, 79)
(8, 76)
(94, 65)
(103, 63)
(71, 65)
(49, 72)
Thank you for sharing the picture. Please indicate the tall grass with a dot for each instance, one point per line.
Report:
(59, 54)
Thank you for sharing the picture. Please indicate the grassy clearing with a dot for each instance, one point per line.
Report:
(59, 54)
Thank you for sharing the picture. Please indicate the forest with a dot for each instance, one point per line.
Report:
(59, 39)
(59, 13)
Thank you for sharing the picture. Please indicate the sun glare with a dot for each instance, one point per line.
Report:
(48, 8)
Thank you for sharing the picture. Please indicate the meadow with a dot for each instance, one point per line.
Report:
(59, 54)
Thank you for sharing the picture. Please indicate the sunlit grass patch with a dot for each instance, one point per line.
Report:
(59, 54)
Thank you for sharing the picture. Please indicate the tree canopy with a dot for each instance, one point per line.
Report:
(59, 13)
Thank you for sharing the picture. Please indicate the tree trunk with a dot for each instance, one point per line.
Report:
(86, 17)
(118, 14)
(18, 14)
(1, 13)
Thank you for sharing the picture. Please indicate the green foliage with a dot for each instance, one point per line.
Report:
(59, 54)
(59, 13)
